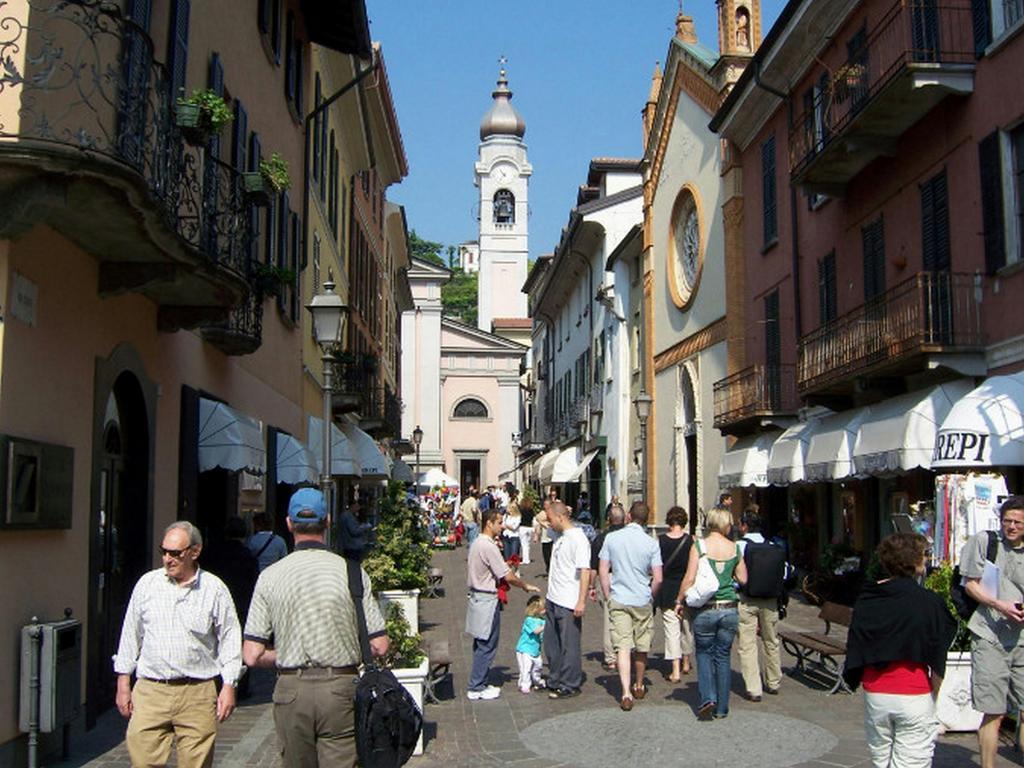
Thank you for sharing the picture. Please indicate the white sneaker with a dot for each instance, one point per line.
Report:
(490, 692)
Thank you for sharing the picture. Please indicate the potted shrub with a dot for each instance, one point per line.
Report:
(398, 562)
(268, 280)
(953, 706)
(202, 115)
(405, 658)
(272, 178)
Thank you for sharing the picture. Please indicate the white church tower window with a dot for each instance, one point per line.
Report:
(504, 207)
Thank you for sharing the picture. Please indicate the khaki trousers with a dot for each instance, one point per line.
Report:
(606, 632)
(161, 713)
(760, 612)
(315, 720)
(678, 634)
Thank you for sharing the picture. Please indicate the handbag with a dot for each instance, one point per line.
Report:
(388, 721)
(705, 585)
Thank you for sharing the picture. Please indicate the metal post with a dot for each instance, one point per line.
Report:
(36, 637)
(643, 445)
(417, 469)
(326, 479)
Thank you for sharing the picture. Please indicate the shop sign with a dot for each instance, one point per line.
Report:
(961, 446)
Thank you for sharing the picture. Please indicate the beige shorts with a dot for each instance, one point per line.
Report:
(997, 677)
(632, 626)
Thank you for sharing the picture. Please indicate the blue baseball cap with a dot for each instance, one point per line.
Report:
(307, 506)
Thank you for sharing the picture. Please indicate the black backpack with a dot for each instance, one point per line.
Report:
(965, 604)
(388, 722)
(766, 569)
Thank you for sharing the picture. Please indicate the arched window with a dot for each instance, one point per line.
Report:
(504, 207)
(470, 408)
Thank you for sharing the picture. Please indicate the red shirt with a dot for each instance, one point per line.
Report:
(903, 677)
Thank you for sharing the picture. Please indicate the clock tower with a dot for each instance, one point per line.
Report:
(502, 175)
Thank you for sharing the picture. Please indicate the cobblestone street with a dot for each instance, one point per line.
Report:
(801, 727)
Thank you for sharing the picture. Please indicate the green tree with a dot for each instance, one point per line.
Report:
(427, 250)
(459, 296)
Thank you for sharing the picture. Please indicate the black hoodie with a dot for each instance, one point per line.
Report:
(898, 620)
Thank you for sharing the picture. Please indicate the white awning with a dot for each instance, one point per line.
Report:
(746, 463)
(788, 454)
(830, 451)
(582, 466)
(899, 433)
(371, 462)
(296, 464)
(565, 465)
(547, 466)
(343, 454)
(402, 472)
(229, 439)
(985, 427)
(435, 478)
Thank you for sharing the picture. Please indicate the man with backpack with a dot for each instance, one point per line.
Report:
(759, 606)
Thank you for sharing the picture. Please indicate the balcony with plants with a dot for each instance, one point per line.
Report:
(355, 385)
(758, 393)
(891, 76)
(91, 146)
(930, 321)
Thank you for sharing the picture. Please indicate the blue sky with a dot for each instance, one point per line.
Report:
(580, 71)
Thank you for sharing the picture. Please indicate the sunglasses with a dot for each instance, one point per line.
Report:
(174, 554)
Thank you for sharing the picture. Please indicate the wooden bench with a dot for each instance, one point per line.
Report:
(438, 668)
(821, 652)
(434, 579)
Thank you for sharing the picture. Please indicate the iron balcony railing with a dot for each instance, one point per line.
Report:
(931, 312)
(355, 385)
(913, 33)
(79, 79)
(242, 332)
(757, 391)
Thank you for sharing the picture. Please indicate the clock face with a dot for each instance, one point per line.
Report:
(503, 174)
(686, 261)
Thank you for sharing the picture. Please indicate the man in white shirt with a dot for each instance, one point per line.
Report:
(568, 579)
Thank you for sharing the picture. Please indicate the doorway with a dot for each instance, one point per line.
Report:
(469, 474)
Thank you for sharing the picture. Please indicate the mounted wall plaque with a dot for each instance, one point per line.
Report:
(37, 483)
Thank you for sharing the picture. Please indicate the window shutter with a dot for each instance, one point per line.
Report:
(253, 160)
(216, 84)
(990, 162)
(317, 121)
(283, 232)
(935, 224)
(289, 58)
(297, 48)
(873, 244)
(271, 233)
(981, 20)
(293, 265)
(768, 190)
(239, 140)
(827, 289)
(177, 47)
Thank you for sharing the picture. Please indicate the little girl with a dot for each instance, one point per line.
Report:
(528, 647)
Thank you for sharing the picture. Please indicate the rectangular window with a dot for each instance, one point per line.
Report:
(873, 244)
(289, 58)
(990, 162)
(317, 151)
(1017, 170)
(935, 224)
(768, 190)
(827, 289)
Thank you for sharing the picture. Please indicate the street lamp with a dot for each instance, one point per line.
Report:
(329, 313)
(417, 438)
(643, 410)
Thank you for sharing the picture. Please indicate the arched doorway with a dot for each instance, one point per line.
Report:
(686, 451)
(120, 524)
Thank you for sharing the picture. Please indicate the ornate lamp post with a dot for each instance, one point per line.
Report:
(642, 402)
(329, 313)
(417, 438)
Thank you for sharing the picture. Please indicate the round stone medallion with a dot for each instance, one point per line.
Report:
(662, 735)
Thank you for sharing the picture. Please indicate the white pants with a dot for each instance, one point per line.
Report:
(525, 536)
(901, 729)
(529, 670)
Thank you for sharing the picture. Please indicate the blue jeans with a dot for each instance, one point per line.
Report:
(483, 654)
(713, 633)
(472, 531)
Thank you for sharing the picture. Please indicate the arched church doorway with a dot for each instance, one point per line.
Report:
(120, 525)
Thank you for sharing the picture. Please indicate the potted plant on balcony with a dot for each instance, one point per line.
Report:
(397, 565)
(268, 280)
(271, 179)
(405, 658)
(202, 115)
(953, 705)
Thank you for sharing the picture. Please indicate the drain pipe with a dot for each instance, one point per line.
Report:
(35, 634)
(798, 323)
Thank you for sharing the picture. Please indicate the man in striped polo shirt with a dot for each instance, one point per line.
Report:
(303, 606)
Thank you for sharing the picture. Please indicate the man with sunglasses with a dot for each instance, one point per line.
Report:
(997, 626)
(180, 633)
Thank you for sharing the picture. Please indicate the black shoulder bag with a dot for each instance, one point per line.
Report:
(388, 722)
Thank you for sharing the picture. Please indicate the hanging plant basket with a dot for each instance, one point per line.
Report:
(201, 115)
(257, 187)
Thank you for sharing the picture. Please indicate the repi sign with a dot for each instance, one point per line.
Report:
(961, 447)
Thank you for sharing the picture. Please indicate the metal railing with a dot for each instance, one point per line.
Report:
(79, 79)
(930, 312)
(912, 32)
(759, 390)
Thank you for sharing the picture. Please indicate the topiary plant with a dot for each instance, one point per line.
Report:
(401, 555)
(404, 649)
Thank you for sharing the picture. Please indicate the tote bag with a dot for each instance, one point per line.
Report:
(705, 585)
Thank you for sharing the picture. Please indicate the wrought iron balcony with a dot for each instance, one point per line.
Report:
(381, 413)
(929, 320)
(748, 397)
(242, 334)
(89, 147)
(354, 384)
(920, 52)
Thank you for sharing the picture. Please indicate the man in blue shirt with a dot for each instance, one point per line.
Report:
(630, 571)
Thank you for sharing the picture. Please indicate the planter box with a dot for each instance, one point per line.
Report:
(189, 118)
(953, 707)
(257, 189)
(408, 599)
(412, 679)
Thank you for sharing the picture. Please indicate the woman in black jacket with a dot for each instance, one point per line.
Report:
(896, 648)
